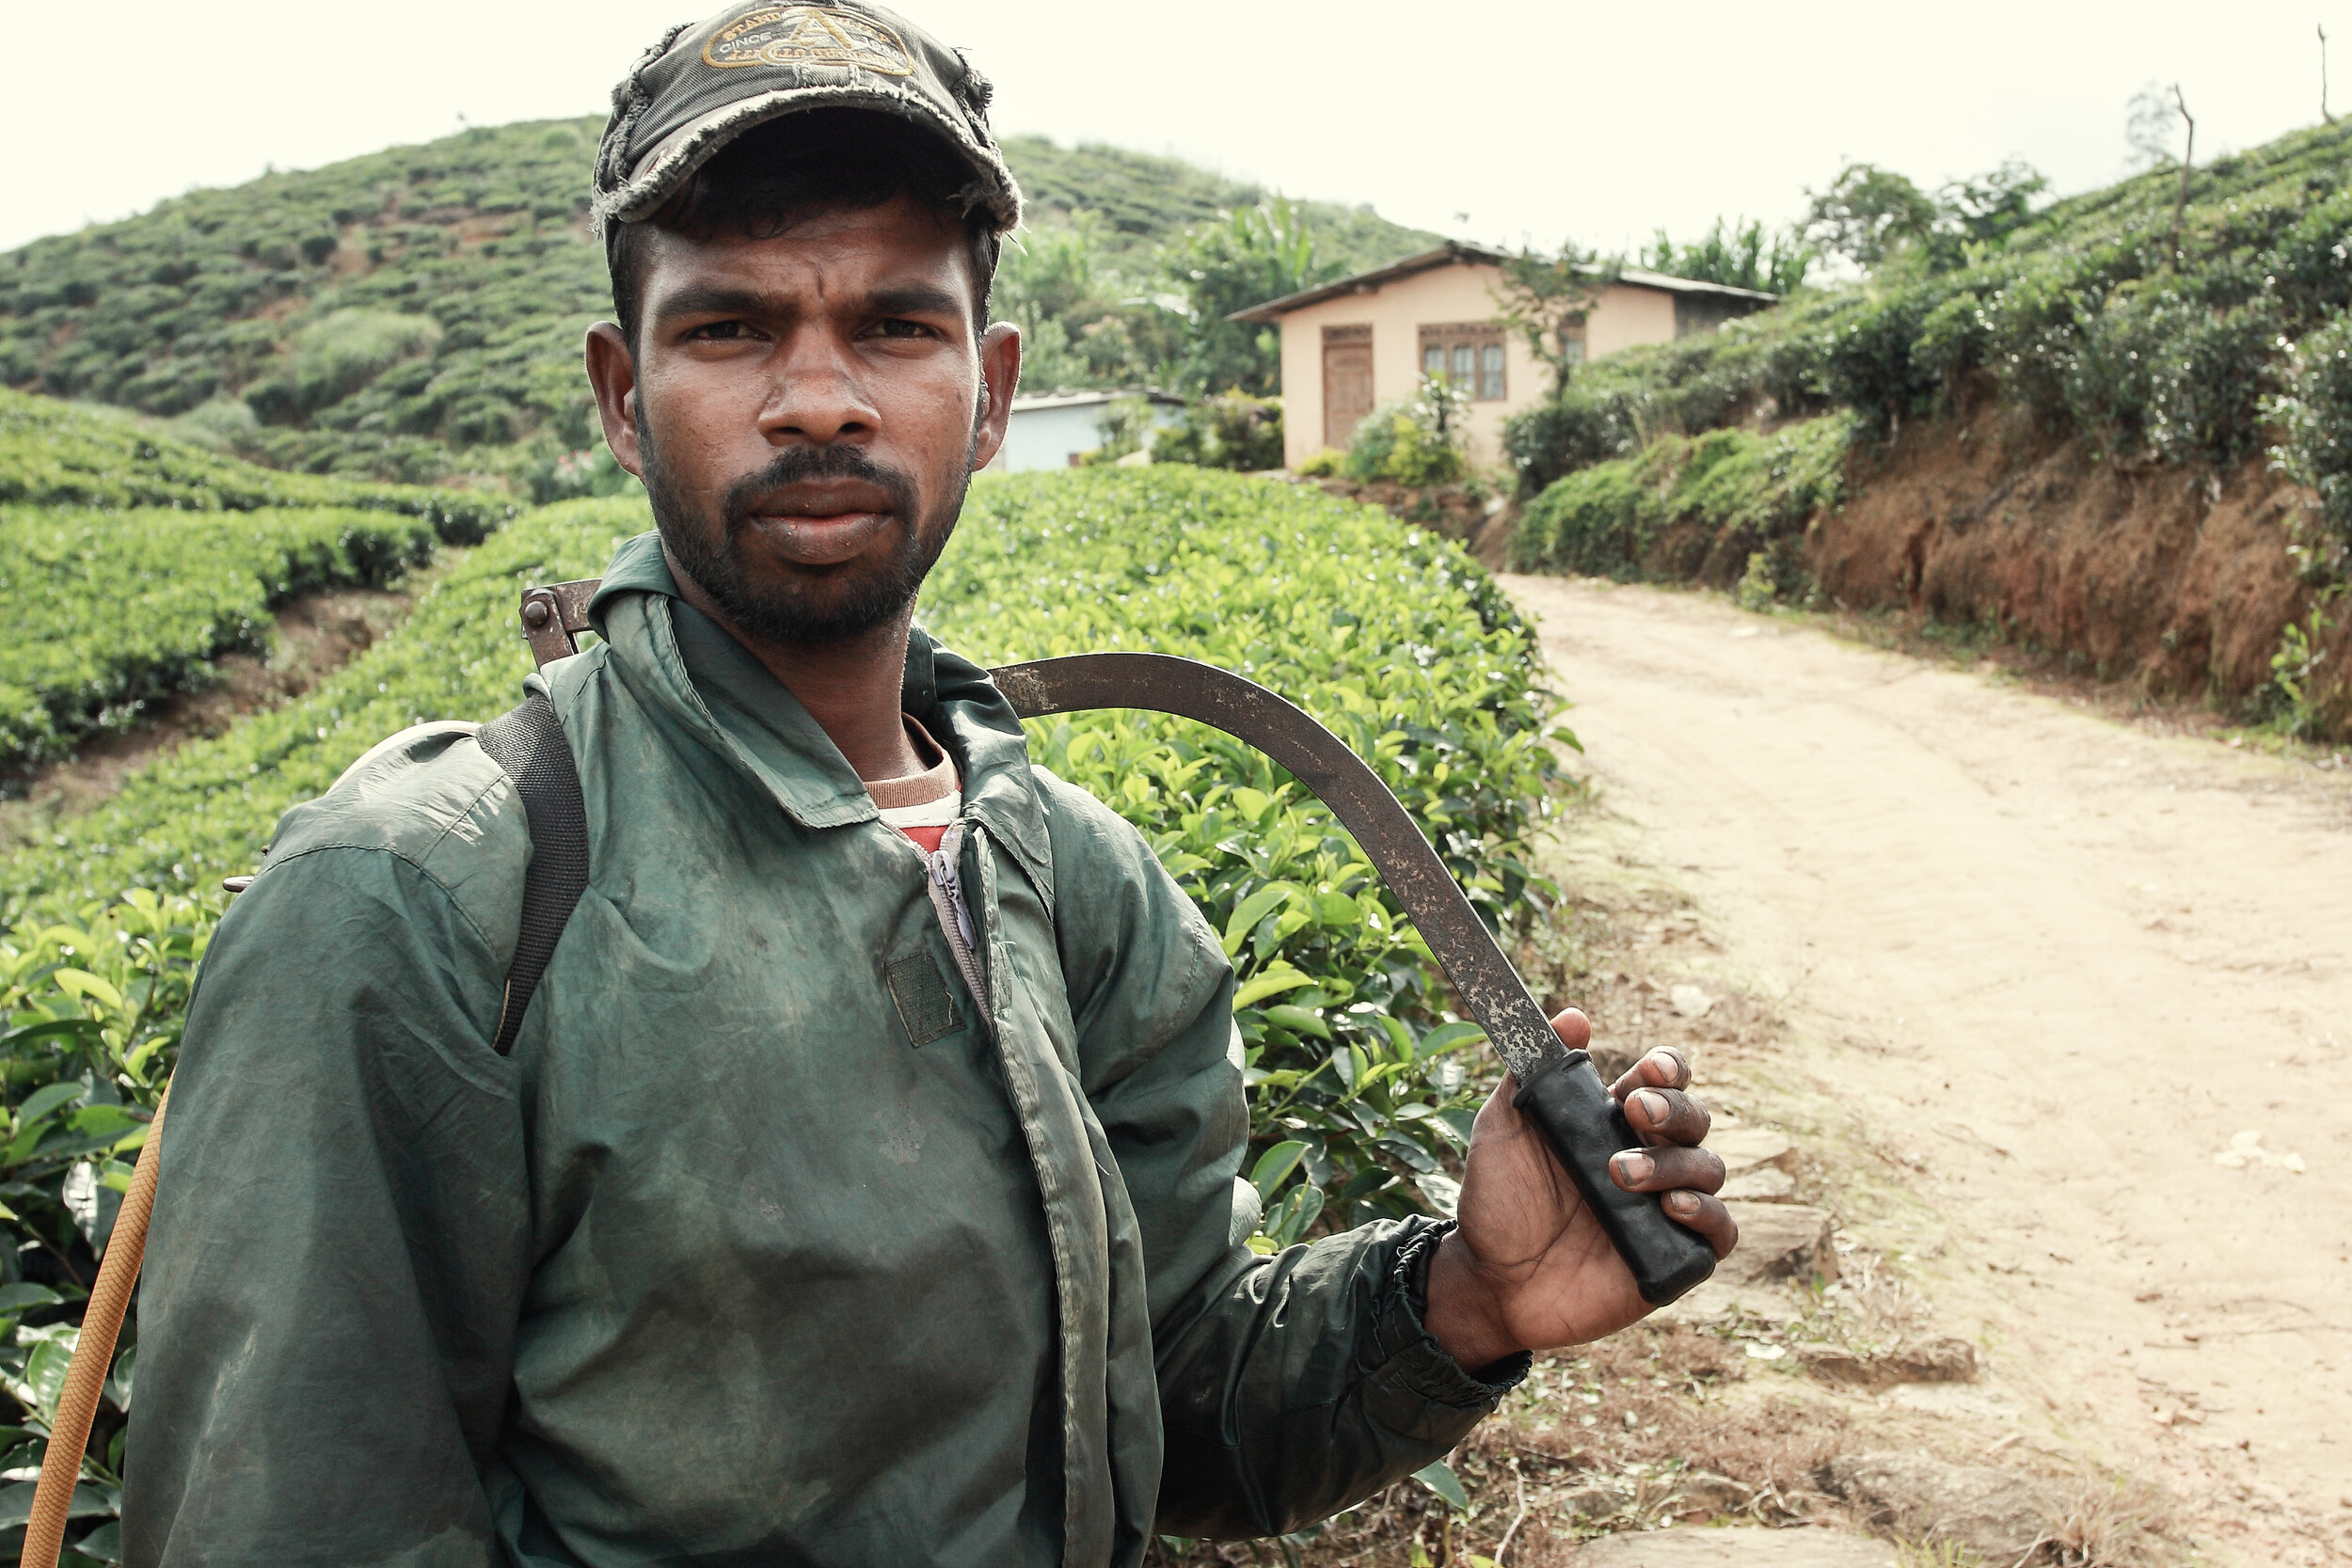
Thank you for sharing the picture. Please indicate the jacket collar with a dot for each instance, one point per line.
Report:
(747, 716)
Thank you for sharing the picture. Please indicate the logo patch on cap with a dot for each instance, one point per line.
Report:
(808, 35)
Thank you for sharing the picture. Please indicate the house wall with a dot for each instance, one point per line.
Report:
(1464, 292)
(1049, 437)
(1628, 315)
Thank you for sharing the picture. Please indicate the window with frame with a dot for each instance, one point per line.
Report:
(1470, 354)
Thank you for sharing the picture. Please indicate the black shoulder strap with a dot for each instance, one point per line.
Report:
(528, 743)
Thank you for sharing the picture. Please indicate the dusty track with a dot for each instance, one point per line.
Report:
(2056, 964)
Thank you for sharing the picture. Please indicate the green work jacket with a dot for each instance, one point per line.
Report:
(768, 1243)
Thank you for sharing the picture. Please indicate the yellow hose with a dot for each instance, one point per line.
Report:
(93, 1355)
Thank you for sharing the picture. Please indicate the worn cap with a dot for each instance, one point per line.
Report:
(706, 83)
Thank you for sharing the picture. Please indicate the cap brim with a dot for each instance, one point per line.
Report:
(671, 162)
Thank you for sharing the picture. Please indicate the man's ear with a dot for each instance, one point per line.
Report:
(612, 374)
(1000, 377)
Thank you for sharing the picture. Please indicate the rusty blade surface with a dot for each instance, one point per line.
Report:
(1161, 683)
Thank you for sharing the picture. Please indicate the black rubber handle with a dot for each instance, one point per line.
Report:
(1585, 1125)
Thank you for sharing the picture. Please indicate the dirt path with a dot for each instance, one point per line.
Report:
(2060, 964)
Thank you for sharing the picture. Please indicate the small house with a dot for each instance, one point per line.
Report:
(1351, 345)
(1052, 430)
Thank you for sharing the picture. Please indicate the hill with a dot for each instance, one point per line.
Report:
(1141, 201)
(2119, 432)
(415, 314)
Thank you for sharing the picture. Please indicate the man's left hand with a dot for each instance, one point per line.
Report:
(1529, 1267)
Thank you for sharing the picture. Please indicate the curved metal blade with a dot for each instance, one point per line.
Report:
(1560, 1092)
(1161, 683)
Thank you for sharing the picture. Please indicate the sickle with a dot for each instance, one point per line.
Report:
(1560, 1089)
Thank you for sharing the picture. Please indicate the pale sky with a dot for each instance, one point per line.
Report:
(1537, 120)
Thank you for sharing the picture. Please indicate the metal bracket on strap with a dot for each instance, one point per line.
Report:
(554, 615)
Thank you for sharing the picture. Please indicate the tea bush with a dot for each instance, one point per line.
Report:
(1362, 1086)
(52, 453)
(140, 558)
(2315, 417)
(110, 611)
(1725, 505)
(1230, 430)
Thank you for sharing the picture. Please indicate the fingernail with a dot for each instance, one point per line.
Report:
(1653, 1108)
(1635, 1168)
(1684, 1203)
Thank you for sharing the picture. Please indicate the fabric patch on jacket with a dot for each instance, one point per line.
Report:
(925, 1006)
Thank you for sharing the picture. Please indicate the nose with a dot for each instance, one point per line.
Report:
(816, 393)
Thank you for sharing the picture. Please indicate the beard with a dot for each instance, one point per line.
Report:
(803, 607)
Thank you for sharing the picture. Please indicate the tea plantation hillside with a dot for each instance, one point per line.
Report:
(129, 560)
(416, 314)
(2094, 316)
(1361, 1086)
(2178, 348)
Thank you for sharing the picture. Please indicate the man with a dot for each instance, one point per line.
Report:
(861, 1185)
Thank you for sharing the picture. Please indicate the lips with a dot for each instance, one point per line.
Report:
(822, 522)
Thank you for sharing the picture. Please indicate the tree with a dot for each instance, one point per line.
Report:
(1738, 254)
(1543, 296)
(1872, 215)
(2323, 76)
(2152, 126)
(1052, 282)
(1868, 213)
(1988, 208)
(1250, 257)
(2189, 160)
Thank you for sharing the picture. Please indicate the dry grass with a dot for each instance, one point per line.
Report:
(2113, 1522)
(1648, 1427)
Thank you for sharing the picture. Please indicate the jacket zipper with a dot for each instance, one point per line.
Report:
(955, 918)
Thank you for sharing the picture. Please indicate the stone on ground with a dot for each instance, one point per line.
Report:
(1997, 1513)
(1767, 1185)
(1751, 1149)
(1736, 1548)
(1944, 1360)
(1779, 1241)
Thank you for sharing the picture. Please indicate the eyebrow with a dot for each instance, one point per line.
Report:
(720, 299)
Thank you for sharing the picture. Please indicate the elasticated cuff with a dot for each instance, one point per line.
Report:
(1413, 1363)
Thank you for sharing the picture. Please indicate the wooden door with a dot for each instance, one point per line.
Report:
(1346, 382)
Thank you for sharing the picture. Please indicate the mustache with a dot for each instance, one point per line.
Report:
(800, 464)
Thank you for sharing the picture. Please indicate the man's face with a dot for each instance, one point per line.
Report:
(806, 411)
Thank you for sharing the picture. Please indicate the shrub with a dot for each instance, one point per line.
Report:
(1952, 339)
(337, 354)
(1562, 435)
(1231, 430)
(2315, 419)
(1416, 440)
(1867, 364)
(56, 454)
(2159, 373)
(1737, 495)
